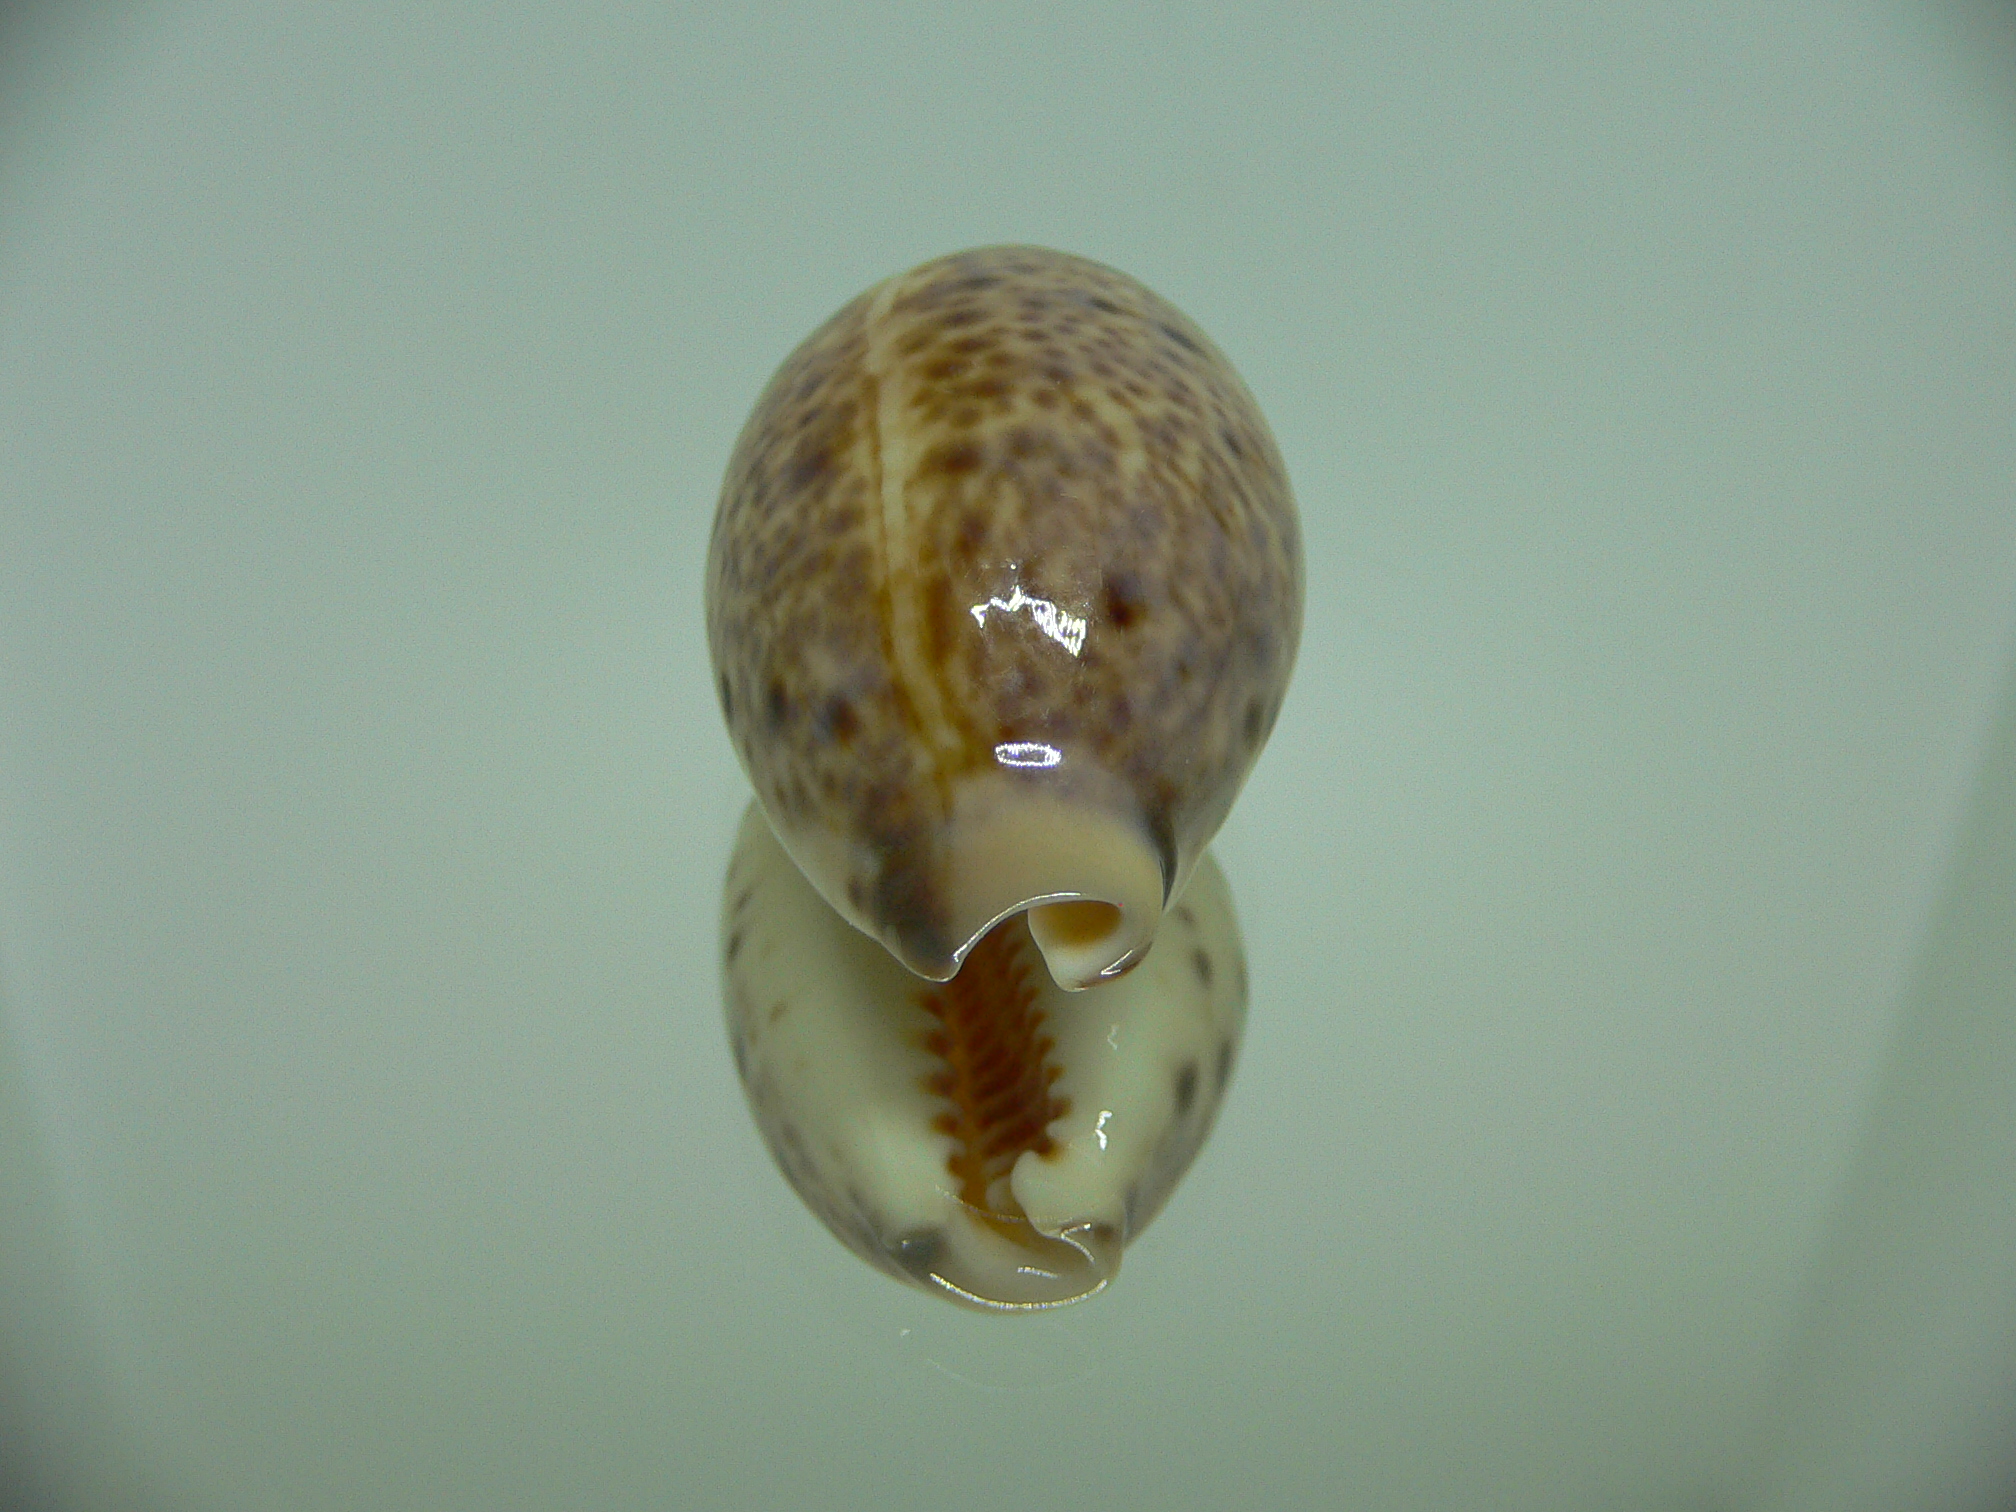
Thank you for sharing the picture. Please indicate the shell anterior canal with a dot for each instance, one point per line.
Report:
(1079, 921)
(1077, 935)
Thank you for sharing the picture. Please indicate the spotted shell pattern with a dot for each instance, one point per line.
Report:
(1006, 532)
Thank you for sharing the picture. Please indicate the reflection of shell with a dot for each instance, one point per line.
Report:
(1003, 595)
(993, 1139)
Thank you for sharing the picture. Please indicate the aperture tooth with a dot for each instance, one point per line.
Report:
(997, 1073)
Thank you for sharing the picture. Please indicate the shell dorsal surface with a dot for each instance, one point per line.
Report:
(1003, 594)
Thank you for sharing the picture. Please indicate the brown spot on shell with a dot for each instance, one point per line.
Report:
(1200, 962)
(1125, 601)
(917, 1254)
(1186, 1087)
(839, 722)
(1255, 724)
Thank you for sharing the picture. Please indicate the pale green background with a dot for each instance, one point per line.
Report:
(1625, 1120)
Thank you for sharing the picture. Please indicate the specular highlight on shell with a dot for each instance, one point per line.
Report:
(1003, 594)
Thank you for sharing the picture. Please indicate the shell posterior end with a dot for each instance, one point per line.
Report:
(1089, 878)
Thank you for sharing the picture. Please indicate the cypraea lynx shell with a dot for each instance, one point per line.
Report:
(1003, 595)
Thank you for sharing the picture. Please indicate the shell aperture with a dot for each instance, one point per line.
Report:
(995, 1140)
(1003, 593)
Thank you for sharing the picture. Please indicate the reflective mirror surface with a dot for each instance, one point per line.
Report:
(1621, 885)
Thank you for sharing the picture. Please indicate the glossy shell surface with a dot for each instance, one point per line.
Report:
(993, 1139)
(1004, 590)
